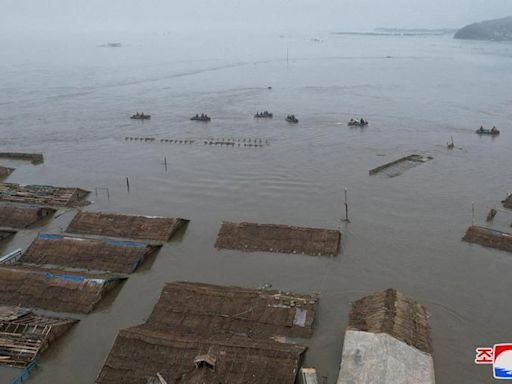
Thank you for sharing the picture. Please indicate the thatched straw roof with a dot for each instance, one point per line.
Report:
(6, 233)
(22, 216)
(54, 290)
(489, 238)
(278, 238)
(127, 226)
(25, 335)
(4, 172)
(43, 195)
(140, 352)
(257, 313)
(395, 314)
(91, 254)
(207, 334)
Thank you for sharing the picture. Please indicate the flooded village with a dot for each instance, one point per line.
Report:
(282, 207)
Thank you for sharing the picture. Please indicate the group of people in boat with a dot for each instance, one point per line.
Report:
(292, 119)
(492, 131)
(358, 122)
(263, 114)
(201, 117)
(140, 116)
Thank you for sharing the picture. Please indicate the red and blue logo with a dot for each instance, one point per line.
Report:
(500, 356)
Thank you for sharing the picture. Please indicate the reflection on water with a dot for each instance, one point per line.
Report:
(73, 102)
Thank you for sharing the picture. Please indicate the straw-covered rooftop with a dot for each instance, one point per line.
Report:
(127, 226)
(395, 314)
(22, 216)
(490, 238)
(278, 238)
(90, 254)
(257, 313)
(54, 290)
(141, 352)
(207, 334)
(24, 335)
(43, 195)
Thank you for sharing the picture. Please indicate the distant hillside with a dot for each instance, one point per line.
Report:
(497, 30)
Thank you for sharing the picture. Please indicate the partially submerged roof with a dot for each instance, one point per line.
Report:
(22, 216)
(91, 254)
(6, 233)
(257, 313)
(206, 334)
(395, 314)
(4, 172)
(128, 226)
(24, 335)
(54, 290)
(399, 166)
(141, 352)
(34, 158)
(278, 238)
(44, 195)
(380, 358)
(489, 238)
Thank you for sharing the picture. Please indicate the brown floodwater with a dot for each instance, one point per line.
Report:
(405, 232)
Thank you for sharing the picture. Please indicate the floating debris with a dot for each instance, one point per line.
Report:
(387, 329)
(127, 226)
(206, 333)
(87, 254)
(34, 158)
(397, 167)
(22, 216)
(44, 195)
(252, 237)
(488, 237)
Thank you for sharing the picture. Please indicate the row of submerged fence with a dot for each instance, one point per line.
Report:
(233, 142)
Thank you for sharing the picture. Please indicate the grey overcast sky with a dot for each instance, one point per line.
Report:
(279, 15)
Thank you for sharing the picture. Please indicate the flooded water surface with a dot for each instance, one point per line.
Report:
(72, 99)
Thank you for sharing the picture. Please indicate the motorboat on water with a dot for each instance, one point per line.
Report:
(492, 132)
(292, 119)
(140, 116)
(202, 117)
(263, 115)
(358, 122)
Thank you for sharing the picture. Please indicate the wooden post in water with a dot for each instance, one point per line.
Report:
(473, 213)
(346, 206)
(165, 163)
(128, 185)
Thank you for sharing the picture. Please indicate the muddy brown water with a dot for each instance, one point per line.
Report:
(73, 102)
